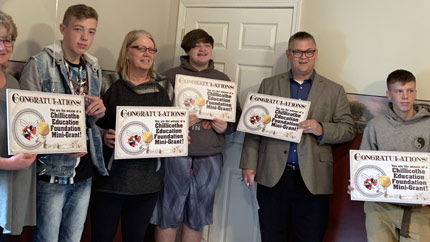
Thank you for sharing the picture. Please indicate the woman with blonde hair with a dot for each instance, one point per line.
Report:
(17, 172)
(131, 190)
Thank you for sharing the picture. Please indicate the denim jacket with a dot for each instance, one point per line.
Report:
(47, 72)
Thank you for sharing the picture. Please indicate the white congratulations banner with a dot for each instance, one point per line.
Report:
(143, 132)
(42, 123)
(388, 176)
(207, 98)
(272, 116)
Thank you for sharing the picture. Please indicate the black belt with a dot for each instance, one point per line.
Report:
(292, 167)
(406, 221)
(56, 179)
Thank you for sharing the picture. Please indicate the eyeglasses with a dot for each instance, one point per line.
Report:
(7, 42)
(142, 48)
(307, 53)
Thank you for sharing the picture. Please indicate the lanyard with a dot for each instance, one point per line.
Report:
(81, 86)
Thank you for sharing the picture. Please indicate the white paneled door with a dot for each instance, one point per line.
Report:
(250, 44)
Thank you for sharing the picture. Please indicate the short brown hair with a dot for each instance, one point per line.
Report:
(79, 11)
(400, 75)
(122, 63)
(300, 36)
(195, 36)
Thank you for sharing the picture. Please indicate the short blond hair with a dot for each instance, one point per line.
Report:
(7, 22)
(122, 63)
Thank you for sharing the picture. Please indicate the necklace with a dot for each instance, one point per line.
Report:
(80, 87)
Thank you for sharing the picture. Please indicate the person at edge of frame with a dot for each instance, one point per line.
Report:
(391, 222)
(17, 172)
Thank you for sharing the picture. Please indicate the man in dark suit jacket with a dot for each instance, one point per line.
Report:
(295, 179)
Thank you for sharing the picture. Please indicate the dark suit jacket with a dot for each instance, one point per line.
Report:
(268, 156)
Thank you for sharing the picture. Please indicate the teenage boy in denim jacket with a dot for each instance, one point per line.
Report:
(64, 180)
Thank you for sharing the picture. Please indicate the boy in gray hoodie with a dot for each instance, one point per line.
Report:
(404, 127)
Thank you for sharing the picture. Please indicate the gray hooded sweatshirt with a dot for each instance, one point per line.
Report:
(204, 142)
(390, 133)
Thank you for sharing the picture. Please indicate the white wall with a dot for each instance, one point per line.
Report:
(38, 26)
(361, 41)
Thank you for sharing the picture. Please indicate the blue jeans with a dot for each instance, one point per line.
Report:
(3, 237)
(61, 211)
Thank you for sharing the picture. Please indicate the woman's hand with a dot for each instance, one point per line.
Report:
(17, 162)
(109, 138)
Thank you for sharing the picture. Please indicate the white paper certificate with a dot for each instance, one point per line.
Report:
(272, 116)
(43, 123)
(207, 98)
(396, 177)
(143, 132)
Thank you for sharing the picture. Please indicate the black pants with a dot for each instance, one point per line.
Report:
(135, 211)
(289, 206)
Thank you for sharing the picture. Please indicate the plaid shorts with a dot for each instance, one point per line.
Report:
(188, 192)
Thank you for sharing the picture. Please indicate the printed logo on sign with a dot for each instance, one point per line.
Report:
(257, 117)
(26, 128)
(133, 138)
(191, 99)
(367, 180)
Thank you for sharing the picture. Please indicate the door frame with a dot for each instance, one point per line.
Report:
(185, 4)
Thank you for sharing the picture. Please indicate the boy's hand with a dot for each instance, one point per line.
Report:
(219, 125)
(76, 154)
(350, 188)
(94, 107)
(192, 119)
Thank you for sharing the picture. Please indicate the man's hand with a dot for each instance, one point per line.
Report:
(311, 126)
(248, 177)
(109, 138)
(94, 107)
(219, 125)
